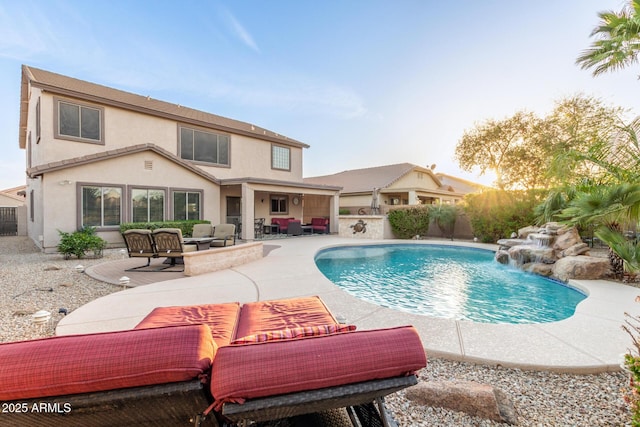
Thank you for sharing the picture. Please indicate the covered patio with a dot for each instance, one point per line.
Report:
(252, 203)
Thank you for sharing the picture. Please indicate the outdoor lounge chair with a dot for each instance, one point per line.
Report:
(224, 235)
(174, 369)
(169, 244)
(140, 244)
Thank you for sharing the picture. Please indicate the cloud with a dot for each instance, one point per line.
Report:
(240, 31)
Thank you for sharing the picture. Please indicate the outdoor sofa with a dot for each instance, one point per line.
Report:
(211, 365)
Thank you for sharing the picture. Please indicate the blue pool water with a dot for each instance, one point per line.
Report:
(447, 281)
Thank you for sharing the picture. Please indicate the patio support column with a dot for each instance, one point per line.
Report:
(334, 212)
(247, 212)
(413, 198)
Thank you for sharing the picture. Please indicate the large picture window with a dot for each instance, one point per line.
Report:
(207, 147)
(186, 205)
(101, 206)
(147, 205)
(280, 157)
(79, 122)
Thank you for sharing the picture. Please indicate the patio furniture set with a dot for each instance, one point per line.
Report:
(169, 243)
(212, 365)
(292, 226)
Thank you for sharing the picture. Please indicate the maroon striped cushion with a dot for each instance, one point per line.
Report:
(106, 361)
(249, 371)
(293, 333)
(221, 318)
(264, 316)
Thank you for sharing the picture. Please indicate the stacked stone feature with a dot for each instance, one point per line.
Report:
(552, 250)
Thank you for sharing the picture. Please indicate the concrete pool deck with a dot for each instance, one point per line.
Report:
(592, 340)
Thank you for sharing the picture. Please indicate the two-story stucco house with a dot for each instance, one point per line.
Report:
(97, 156)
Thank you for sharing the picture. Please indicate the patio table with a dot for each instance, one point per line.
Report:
(202, 243)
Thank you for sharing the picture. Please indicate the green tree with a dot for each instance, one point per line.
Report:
(529, 152)
(491, 145)
(618, 41)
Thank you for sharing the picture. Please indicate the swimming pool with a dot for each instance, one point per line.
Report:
(452, 282)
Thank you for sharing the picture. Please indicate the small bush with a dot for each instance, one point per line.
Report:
(444, 216)
(80, 242)
(344, 211)
(407, 223)
(496, 214)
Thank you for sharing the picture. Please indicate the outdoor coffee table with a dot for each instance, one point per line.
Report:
(202, 243)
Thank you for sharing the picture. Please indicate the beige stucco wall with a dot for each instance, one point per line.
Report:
(375, 227)
(61, 191)
(414, 180)
(6, 201)
(249, 157)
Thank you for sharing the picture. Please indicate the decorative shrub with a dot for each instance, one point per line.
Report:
(80, 242)
(495, 214)
(444, 216)
(185, 226)
(344, 211)
(411, 222)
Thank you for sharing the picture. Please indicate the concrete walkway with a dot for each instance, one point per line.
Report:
(590, 341)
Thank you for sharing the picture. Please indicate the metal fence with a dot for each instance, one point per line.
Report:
(8, 221)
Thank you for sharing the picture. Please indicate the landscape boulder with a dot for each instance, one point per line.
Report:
(475, 399)
(581, 267)
(567, 239)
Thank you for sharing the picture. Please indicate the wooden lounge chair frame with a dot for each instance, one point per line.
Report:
(184, 404)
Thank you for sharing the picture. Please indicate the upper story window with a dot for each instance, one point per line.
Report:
(201, 146)
(79, 122)
(280, 157)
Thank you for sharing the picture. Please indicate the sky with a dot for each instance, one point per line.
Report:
(364, 82)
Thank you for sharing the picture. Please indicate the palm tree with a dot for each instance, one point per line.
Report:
(619, 41)
(610, 208)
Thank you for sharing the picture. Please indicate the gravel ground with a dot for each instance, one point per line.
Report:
(33, 281)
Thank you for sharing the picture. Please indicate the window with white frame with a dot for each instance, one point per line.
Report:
(79, 122)
(101, 206)
(207, 147)
(280, 157)
(147, 205)
(187, 205)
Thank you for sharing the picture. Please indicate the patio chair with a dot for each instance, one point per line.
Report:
(169, 244)
(258, 228)
(140, 244)
(202, 230)
(224, 235)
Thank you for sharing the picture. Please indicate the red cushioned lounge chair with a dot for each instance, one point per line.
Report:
(188, 375)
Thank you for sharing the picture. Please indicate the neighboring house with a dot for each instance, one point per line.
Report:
(12, 211)
(399, 184)
(98, 156)
(13, 197)
(461, 185)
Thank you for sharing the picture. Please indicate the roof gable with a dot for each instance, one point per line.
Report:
(365, 180)
(68, 86)
(112, 154)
